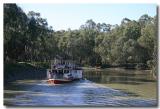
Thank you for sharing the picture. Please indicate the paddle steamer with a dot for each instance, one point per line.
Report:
(63, 71)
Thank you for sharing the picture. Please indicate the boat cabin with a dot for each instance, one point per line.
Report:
(64, 69)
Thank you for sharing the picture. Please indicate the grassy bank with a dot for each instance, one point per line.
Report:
(22, 70)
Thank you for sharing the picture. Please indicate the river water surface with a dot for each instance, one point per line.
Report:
(111, 87)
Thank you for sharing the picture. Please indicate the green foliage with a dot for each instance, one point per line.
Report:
(132, 30)
(14, 32)
(148, 37)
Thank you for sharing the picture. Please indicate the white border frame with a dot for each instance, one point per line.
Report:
(63, 1)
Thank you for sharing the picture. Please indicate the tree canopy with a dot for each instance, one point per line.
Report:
(28, 37)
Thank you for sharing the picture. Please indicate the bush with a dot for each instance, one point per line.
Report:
(41, 64)
(141, 66)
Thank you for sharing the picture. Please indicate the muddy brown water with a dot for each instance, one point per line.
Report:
(110, 87)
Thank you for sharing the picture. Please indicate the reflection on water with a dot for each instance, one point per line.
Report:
(137, 83)
(119, 76)
(78, 93)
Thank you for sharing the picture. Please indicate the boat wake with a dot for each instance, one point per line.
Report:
(77, 93)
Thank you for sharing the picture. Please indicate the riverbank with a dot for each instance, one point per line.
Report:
(21, 71)
(138, 66)
(35, 70)
(115, 68)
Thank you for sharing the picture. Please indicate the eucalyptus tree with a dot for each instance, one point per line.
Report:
(15, 27)
(38, 33)
(30, 38)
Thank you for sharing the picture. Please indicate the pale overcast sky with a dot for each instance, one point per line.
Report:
(64, 16)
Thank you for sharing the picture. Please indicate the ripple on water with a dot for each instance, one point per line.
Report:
(78, 93)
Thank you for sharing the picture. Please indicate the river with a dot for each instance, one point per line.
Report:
(110, 87)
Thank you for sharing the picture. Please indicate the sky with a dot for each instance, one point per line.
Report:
(64, 16)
